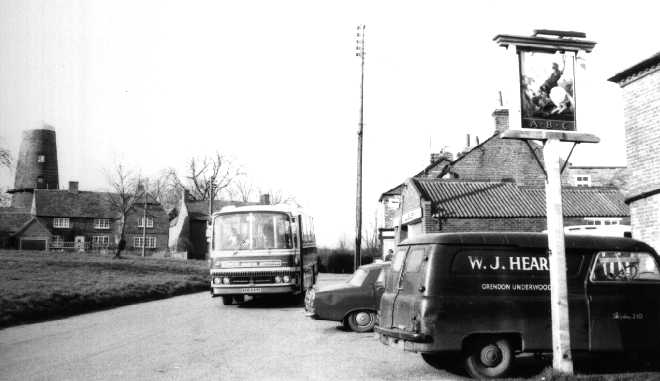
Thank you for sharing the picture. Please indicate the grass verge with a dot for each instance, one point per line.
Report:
(44, 285)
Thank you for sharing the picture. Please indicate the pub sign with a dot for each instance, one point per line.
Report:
(547, 90)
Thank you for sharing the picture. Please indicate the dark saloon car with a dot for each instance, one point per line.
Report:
(353, 303)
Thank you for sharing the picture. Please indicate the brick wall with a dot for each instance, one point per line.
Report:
(641, 97)
(644, 215)
(600, 176)
(501, 224)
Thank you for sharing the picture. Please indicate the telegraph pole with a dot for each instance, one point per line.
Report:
(358, 203)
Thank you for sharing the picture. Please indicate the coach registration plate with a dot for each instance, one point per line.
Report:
(251, 289)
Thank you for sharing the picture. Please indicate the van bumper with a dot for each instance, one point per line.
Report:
(397, 334)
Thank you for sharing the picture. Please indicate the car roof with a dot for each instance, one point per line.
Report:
(530, 240)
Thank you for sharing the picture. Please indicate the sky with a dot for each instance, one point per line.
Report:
(275, 85)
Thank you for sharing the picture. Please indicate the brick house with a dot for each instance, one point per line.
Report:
(516, 165)
(84, 220)
(187, 230)
(640, 85)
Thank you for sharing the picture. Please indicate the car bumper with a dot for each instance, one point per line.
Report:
(253, 290)
(397, 334)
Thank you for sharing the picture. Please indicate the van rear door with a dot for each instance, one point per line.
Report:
(407, 287)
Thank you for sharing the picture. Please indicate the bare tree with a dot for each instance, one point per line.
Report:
(370, 240)
(124, 185)
(166, 188)
(209, 176)
(242, 190)
(277, 196)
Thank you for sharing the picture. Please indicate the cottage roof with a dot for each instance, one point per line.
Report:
(485, 199)
(63, 203)
(12, 219)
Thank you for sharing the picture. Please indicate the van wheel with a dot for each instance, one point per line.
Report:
(362, 321)
(489, 358)
(227, 300)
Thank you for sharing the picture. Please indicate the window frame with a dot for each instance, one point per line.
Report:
(61, 222)
(150, 222)
(586, 182)
(102, 223)
(105, 241)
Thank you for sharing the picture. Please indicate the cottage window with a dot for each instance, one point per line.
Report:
(100, 241)
(583, 180)
(62, 223)
(102, 223)
(150, 222)
(602, 221)
(151, 241)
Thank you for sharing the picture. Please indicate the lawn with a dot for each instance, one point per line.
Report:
(43, 285)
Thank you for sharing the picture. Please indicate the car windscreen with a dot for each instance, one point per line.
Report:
(358, 278)
(252, 231)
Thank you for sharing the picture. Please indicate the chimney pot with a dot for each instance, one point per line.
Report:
(265, 199)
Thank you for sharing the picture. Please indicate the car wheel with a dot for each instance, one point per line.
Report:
(489, 358)
(362, 321)
(227, 300)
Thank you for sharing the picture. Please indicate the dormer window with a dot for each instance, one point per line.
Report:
(41, 158)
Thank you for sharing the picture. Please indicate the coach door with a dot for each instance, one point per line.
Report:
(624, 307)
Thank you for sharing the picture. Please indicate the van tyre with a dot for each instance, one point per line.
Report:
(489, 358)
(227, 300)
(361, 321)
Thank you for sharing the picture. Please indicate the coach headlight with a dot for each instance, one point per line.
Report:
(286, 279)
(278, 279)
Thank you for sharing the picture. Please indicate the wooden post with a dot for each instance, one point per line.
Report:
(358, 196)
(561, 337)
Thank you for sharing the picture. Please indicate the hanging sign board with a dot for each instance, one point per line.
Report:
(547, 90)
(542, 86)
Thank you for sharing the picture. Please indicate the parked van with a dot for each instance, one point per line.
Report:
(486, 297)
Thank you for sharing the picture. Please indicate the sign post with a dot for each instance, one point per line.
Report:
(544, 109)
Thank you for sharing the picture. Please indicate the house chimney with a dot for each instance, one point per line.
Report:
(501, 117)
(73, 186)
(435, 157)
(264, 199)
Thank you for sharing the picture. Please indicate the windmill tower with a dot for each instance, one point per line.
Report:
(36, 167)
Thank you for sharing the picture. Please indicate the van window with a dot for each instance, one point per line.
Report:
(414, 260)
(618, 266)
(511, 262)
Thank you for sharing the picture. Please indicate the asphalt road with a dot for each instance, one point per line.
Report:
(195, 337)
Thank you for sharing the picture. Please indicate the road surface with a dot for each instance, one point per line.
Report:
(195, 337)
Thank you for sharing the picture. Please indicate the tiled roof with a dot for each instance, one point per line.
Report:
(481, 199)
(200, 209)
(638, 67)
(63, 203)
(11, 219)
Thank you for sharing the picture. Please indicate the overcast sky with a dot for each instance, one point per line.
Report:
(275, 85)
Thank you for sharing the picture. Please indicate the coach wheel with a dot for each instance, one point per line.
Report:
(489, 358)
(227, 300)
(362, 321)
